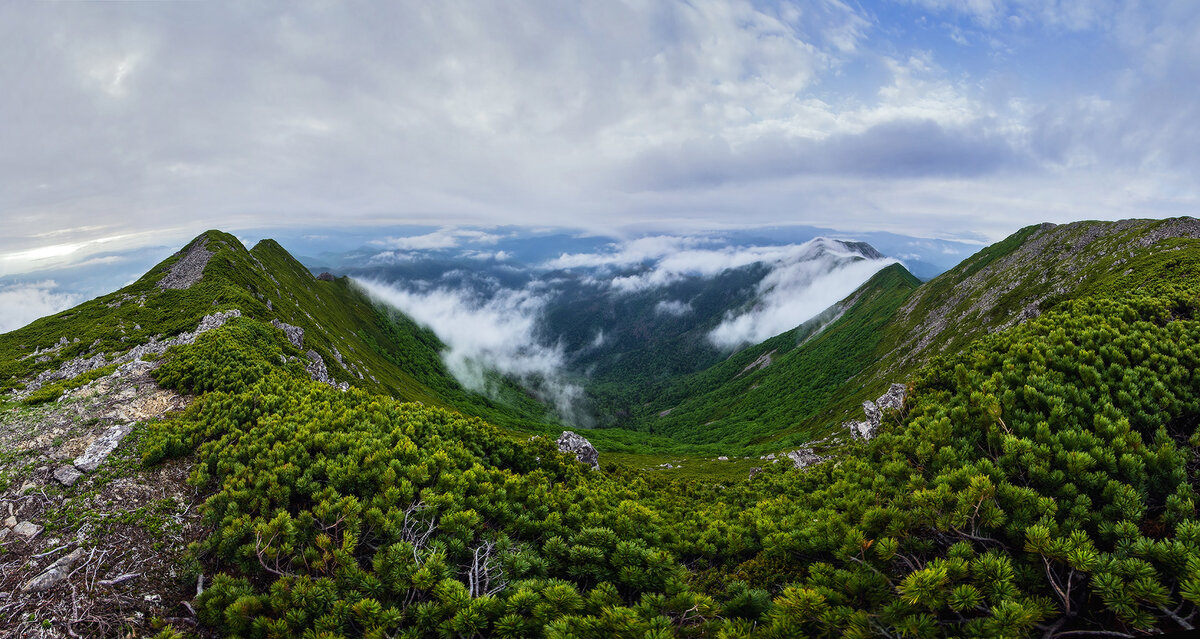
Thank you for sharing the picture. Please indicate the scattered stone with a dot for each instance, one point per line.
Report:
(10, 522)
(100, 449)
(81, 365)
(722, 458)
(189, 269)
(569, 442)
(754, 471)
(295, 334)
(57, 572)
(67, 475)
(27, 529)
(4, 532)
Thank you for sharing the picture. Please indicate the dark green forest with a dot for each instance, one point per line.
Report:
(1039, 480)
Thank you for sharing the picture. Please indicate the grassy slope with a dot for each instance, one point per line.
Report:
(893, 326)
(728, 405)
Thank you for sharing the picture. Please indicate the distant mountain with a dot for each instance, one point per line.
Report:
(793, 388)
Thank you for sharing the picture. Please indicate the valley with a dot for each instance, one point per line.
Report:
(352, 471)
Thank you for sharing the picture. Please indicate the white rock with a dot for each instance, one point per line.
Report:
(100, 449)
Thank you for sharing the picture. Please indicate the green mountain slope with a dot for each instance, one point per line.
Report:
(358, 343)
(891, 326)
(761, 392)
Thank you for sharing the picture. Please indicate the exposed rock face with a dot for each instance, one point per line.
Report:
(805, 457)
(100, 449)
(189, 269)
(893, 399)
(317, 371)
(55, 573)
(583, 450)
(295, 334)
(326, 277)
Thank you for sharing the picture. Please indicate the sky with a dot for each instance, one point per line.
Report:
(131, 126)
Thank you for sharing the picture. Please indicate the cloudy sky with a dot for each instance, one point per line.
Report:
(139, 124)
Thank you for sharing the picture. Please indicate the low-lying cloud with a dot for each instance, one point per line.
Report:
(20, 304)
(816, 276)
(482, 333)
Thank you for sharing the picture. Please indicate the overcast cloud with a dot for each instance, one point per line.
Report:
(130, 124)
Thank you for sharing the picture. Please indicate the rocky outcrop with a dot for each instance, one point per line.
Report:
(326, 277)
(81, 365)
(189, 269)
(100, 449)
(577, 445)
(893, 399)
(317, 371)
(805, 457)
(295, 334)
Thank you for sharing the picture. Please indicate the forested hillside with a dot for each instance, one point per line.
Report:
(1037, 481)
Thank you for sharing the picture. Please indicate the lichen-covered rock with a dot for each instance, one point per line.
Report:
(295, 334)
(893, 399)
(27, 529)
(583, 450)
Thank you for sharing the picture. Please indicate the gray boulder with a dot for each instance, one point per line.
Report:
(100, 449)
(583, 450)
(805, 457)
(67, 475)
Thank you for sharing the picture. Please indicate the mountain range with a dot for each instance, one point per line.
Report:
(275, 450)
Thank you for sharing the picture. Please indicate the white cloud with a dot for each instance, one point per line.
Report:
(493, 333)
(21, 304)
(674, 308)
(796, 290)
